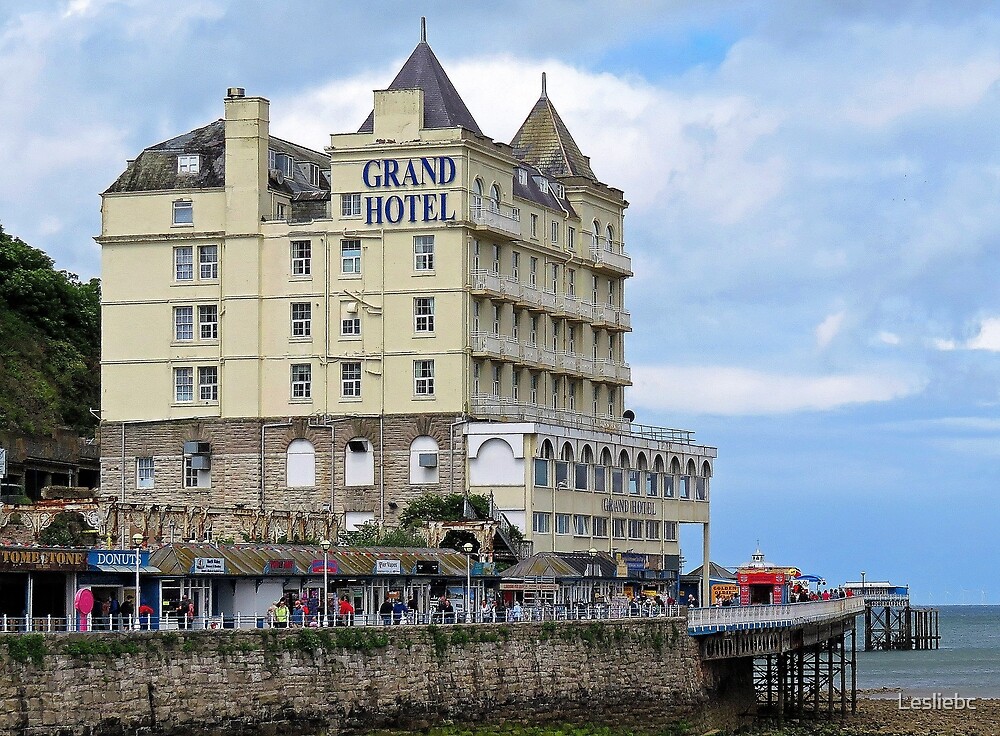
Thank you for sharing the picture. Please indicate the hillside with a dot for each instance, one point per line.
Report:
(49, 343)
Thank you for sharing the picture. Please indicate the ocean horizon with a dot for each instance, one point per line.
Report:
(967, 662)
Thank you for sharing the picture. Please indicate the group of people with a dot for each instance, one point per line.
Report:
(801, 594)
(292, 611)
(394, 611)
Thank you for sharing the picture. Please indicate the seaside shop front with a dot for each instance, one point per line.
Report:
(229, 582)
(38, 583)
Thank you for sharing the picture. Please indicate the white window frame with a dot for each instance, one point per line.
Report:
(423, 377)
(301, 319)
(515, 265)
(184, 263)
(182, 212)
(350, 326)
(183, 385)
(350, 205)
(581, 525)
(423, 315)
(534, 225)
(184, 323)
(301, 258)
(208, 262)
(301, 381)
(600, 525)
(350, 379)
(541, 522)
(423, 252)
(195, 478)
(188, 163)
(208, 383)
(564, 523)
(208, 322)
(554, 232)
(350, 265)
(145, 472)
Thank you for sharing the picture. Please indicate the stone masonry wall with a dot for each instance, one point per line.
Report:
(236, 464)
(352, 680)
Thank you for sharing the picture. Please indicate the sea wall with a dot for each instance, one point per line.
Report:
(350, 680)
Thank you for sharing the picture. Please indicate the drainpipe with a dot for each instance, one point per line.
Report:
(451, 449)
(264, 428)
(121, 526)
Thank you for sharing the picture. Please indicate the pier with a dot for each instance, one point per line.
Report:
(891, 623)
(804, 654)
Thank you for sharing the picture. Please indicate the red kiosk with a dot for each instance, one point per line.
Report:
(762, 582)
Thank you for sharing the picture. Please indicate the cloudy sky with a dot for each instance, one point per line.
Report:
(813, 222)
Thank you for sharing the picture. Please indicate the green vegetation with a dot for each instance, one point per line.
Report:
(431, 507)
(27, 648)
(513, 729)
(49, 343)
(68, 529)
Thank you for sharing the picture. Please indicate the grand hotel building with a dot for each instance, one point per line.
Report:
(299, 342)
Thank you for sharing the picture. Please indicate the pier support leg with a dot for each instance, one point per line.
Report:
(706, 556)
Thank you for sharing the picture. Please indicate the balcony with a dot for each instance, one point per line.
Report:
(488, 406)
(610, 256)
(613, 371)
(486, 345)
(487, 282)
(495, 219)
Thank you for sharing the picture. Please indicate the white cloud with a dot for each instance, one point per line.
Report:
(889, 338)
(829, 328)
(988, 337)
(940, 343)
(738, 391)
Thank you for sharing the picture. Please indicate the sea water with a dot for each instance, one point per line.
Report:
(968, 662)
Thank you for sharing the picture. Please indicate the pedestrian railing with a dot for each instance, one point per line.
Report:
(99, 624)
(737, 618)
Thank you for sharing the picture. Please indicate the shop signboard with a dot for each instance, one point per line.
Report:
(13, 559)
(634, 562)
(280, 567)
(388, 567)
(208, 566)
(332, 567)
(103, 559)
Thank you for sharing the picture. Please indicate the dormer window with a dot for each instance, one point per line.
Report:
(188, 164)
(522, 176)
(312, 172)
(542, 183)
(557, 189)
(281, 162)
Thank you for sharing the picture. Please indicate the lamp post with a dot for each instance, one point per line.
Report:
(467, 548)
(862, 584)
(591, 574)
(137, 543)
(325, 544)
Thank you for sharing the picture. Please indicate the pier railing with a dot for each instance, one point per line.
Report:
(560, 612)
(703, 621)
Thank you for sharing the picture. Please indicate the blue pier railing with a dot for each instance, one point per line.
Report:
(704, 621)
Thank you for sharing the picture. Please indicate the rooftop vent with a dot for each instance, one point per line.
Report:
(235, 92)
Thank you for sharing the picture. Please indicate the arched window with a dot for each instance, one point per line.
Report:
(675, 466)
(567, 452)
(547, 452)
(606, 459)
(423, 461)
(706, 470)
(623, 461)
(658, 464)
(597, 234)
(477, 197)
(640, 461)
(587, 455)
(692, 469)
(359, 463)
(495, 198)
(300, 464)
(611, 238)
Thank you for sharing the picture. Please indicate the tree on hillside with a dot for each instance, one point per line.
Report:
(50, 336)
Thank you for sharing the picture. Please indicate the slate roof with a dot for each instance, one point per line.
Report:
(443, 106)
(544, 141)
(715, 572)
(561, 565)
(155, 168)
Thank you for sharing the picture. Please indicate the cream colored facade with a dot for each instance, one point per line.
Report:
(411, 272)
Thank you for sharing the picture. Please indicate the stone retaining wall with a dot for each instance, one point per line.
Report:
(356, 679)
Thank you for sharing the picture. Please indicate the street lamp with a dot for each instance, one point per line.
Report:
(137, 543)
(592, 574)
(325, 544)
(862, 584)
(467, 548)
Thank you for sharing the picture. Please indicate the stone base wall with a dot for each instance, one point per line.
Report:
(236, 467)
(353, 680)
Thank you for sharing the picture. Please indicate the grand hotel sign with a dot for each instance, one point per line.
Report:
(404, 176)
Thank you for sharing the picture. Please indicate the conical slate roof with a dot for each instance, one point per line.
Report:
(443, 106)
(545, 141)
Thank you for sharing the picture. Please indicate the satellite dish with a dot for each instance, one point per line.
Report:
(629, 415)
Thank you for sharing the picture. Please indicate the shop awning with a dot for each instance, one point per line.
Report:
(126, 569)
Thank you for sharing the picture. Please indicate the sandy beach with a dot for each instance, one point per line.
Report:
(883, 715)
